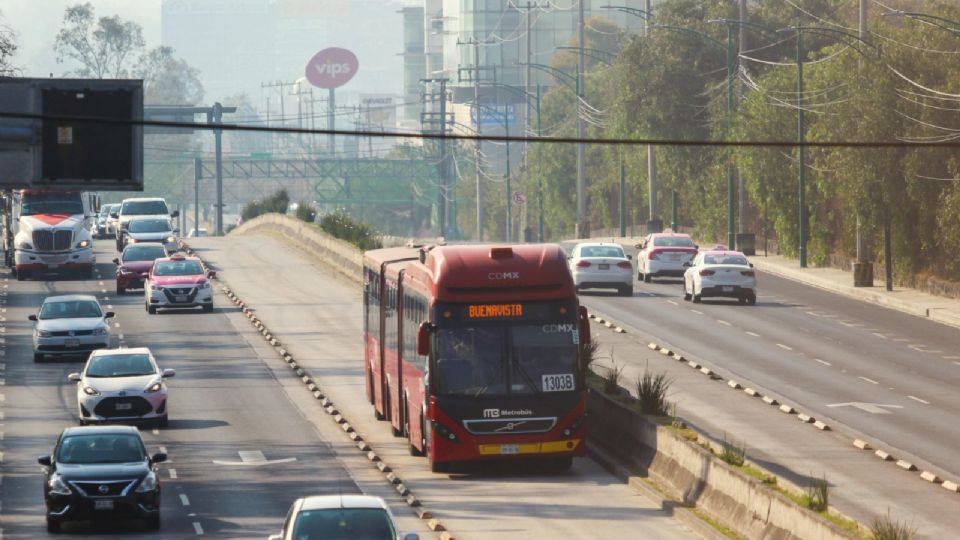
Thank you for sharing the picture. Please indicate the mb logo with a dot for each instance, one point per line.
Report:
(491, 413)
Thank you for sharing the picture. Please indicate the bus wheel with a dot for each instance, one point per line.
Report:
(436, 467)
(562, 464)
(414, 451)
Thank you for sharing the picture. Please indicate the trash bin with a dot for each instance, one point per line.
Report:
(746, 243)
(863, 274)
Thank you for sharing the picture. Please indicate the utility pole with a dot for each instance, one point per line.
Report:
(864, 257)
(653, 224)
(802, 165)
(539, 174)
(443, 202)
(197, 173)
(741, 183)
(580, 231)
(478, 148)
(218, 138)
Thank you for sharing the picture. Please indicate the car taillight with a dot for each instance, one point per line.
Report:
(583, 264)
(625, 264)
(748, 273)
(653, 255)
(706, 272)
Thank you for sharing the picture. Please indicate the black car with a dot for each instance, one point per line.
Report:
(101, 471)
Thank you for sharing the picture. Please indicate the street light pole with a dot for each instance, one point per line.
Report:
(801, 135)
(539, 172)
(731, 176)
(580, 231)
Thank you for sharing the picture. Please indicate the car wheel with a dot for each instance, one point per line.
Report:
(752, 299)
(686, 295)
(208, 308)
(22, 275)
(627, 291)
(639, 275)
(37, 357)
(696, 297)
(647, 278)
(121, 290)
(53, 526)
(87, 273)
(163, 421)
(152, 310)
(153, 522)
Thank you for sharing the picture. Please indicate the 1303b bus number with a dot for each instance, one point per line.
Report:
(558, 383)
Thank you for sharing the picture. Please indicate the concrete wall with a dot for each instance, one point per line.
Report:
(693, 475)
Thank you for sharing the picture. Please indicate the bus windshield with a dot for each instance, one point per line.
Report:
(515, 359)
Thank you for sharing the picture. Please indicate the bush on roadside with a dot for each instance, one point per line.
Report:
(818, 494)
(652, 393)
(276, 203)
(887, 528)
(733, 454)
(611, 381)
(306, 212)
(342, 226)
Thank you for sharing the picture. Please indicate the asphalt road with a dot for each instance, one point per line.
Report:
(319, 319)
(224, 399)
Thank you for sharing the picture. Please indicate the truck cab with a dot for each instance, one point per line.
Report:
(50, 232)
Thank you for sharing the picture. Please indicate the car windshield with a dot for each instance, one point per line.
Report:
(344, 524)
(144, 252)
(149, 226)
(725, 259)
(144, 208)
(70, 309)
(673, 241)
(106, 209)
(101, 448)
(177, 268)
(120, 365)
(40, 204)
(496, 360)
(602, 251)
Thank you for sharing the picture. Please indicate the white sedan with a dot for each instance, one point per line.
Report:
(122, 385)
(720, 273)
(601, 265)
(72, 324)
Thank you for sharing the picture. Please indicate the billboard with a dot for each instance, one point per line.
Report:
(379, 111)
(493, 115)
(332, 68)
(87, 137)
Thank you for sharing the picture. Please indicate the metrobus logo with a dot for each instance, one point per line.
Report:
(491, 413)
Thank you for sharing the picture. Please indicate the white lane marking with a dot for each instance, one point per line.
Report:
(872, 408)
(116, 325)
(184, 500)
(753, 334)
(197, 528)
(109, 306)
(101, 284)
(824, 362)
(725, 323)
(156, 431)
(173, 474)
(850, 324)
(900, 339)
(918, 348)
(103, 291)
(871, 381)
(672, 302)
(879, 335)
(782, 346)
(951, 357)
(163, 449)
(697, 312)
(915, 398)
(956, 363)
(813, 313)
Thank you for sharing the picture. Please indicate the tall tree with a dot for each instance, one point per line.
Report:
(8, 46)
(103, 48)
(168, 80)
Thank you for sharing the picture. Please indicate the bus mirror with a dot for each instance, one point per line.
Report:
(584, 326)
(423, 339)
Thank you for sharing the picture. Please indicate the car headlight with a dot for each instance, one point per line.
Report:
(57, 485)
(131, 240)
(155, 387)
(125, 270)
(89, 390)
(24, 245)
(83, 244)
(171, 239)
(205, 285)
(43, 333)
(149, 483)
(100, 331)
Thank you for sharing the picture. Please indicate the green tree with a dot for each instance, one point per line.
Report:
(168, 80)
(8, 47)
(103, 48)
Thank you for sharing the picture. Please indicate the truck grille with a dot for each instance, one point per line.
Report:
(52, 240)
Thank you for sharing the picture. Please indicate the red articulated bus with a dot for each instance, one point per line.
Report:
(473, 351)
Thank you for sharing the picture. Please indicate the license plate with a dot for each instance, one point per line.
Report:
(180, 298)
(124, 406)
(53, 266)
(509, 449)
(604, 266)
(673, 257)
(103, 505)
(71, 343)
(728, 289)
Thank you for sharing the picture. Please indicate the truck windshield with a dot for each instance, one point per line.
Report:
(44, 204)
(512, 359)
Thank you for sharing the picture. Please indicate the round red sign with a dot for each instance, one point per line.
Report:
(331, 68)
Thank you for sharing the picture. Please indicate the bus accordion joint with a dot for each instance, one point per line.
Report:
(423, 337)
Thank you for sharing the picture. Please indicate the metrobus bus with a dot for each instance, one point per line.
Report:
(472, 352)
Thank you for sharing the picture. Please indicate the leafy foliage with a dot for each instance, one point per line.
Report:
(104, 48)
(8, 47)
(276, 203)
(342, 226)
(306, 212)
(168, 80)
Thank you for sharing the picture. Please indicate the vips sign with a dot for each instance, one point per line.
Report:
(332, 68)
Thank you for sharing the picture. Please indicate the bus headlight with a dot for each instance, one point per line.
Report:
(572, 428)
(445, 432)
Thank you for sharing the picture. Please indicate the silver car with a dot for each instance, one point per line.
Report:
(73, 324)
(122, 385)
(341, 516)
(601, 265)
(152, 230)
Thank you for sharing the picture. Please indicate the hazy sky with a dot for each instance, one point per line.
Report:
(36, 23)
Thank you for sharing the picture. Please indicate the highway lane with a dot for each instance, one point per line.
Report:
(224, 400)
(318, 318)
(819, 351)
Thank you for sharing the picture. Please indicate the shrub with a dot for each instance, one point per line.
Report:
(306, 212)
(652, 393)
(733, 454)
(342, 226)
(276, 203)
(588, 354)
(887, 528)
(611, 382)
(818, 494)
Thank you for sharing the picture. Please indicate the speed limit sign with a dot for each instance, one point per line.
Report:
(519, 198)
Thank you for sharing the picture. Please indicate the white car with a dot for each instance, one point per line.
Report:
(664, 255)
(341, 517)
(720, 273)
(197, 233)
(156, 230)
(599, 265)
(122, 385)
(70, 325)
(155, 207)
(178, 282)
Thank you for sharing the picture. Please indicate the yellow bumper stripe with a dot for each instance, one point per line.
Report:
(528, 448)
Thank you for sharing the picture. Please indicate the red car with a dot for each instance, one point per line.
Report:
(178, 282)
(134, 264)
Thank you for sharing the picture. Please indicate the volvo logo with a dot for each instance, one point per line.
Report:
(104, 489)
(510, 426)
